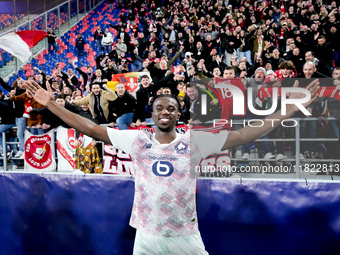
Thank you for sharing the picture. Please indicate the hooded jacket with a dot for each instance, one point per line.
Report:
(252, 83)
(105, 97)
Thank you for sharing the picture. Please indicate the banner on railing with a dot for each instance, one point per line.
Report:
(67, 145)
(39, 154)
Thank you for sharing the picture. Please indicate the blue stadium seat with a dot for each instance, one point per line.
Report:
(21, 73)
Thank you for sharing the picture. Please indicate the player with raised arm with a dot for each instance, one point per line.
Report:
(164, 208)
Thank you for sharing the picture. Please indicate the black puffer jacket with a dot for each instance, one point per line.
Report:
(19, 107)
(7, 113)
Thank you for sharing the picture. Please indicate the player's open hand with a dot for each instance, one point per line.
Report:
(41, 95)
(313, 88)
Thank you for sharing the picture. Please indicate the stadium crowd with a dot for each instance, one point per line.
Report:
(266, 43)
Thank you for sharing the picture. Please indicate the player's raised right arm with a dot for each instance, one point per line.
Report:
(83, 125)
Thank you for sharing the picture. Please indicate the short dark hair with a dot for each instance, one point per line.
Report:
(60, 96)
(228, 68)
(311, 52)
(96, 83)
(165, 95)
(144, 76)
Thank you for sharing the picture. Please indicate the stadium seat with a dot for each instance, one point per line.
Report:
(21, 73)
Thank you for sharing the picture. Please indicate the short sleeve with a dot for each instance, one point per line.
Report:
(209, 143)
(122, 139)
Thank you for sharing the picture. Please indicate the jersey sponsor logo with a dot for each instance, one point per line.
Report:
(162, 168)
(181, 148)
(163, 158)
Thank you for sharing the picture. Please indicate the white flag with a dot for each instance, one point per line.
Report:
(66, 147)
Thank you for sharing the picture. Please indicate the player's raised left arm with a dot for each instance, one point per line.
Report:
(249, 134)
(83, 125)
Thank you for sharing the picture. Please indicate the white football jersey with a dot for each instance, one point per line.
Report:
(165, 180)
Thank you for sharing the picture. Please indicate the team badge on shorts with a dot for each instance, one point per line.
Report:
(181, 148)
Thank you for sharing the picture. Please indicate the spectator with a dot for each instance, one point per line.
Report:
(85, 75)
(120, 47)
(98, 101)
(20, 120)
(284, 33)
(67, 93)
(98, 36)
(216, 72)
(154, 41)
(228, 73)
(199, 52)
(231, 47)
(111, 69)
(333, 109)
(159, 67)
(275, 59)
(194, 110)
(123, 35)
(255, 83)
(308, 127)
(258, 42)
(51, 121)
(40, 79)
(107, 41)
(70, 79)
(144, 96)
(7, 115)
(34, 121)
(310, 71)
(80, 45)
(323, 51)
(297, 59)
(51, 40)
(122, 109)
(137, 62)
(111, 4)
(286, 70)
(245, 49)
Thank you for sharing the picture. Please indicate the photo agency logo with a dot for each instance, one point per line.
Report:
(239, 97)
(227, 102)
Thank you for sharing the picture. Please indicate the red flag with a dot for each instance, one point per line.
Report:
(20, 43)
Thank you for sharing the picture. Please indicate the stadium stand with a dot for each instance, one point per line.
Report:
(252, 40)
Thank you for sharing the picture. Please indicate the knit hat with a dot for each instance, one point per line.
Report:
(261, 69)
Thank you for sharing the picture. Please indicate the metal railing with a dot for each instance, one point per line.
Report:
(297, 161)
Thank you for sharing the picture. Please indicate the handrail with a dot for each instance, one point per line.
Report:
(297, 159)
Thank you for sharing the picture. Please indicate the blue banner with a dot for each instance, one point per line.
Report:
(269, 217)
(70, 214)
(65, 214)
